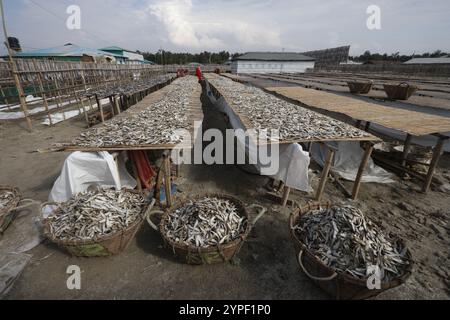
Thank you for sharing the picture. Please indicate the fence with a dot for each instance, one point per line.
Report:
(63, 83)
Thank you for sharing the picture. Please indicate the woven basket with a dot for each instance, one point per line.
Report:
(360, 87)
(211, 255)
(400, 91)
(14, 203)
(103, 246)
(337, 284)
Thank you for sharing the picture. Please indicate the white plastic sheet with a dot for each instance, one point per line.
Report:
(84, 169)
(293, 162)
(347, 161)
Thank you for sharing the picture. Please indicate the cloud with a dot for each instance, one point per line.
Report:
(233, 25)
(193, 27)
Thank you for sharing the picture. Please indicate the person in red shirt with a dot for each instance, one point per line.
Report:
(198, 72)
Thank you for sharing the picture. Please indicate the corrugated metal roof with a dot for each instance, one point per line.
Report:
(67, 50)
(116, 48)
(428, 60)
(275, 56)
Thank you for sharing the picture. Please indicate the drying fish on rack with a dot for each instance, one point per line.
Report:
(157, 124)
(130, 88)
(344, 240)
(204, 223)
(95, 213)
(267, 112)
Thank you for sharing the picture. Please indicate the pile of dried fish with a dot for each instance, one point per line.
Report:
(6, 198)
(92, 214)
(343, 239)
(267, 112)
(204, 223)
(155, 125)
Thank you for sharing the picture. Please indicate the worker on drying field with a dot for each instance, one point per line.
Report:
(198, 72)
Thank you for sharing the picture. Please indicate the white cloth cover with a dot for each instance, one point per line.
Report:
(83, 169)
(347, 161)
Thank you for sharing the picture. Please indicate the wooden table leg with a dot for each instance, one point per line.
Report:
(406, 149)
(286, 193)
(100, 108)
(362, 168)
(116, 103)
(325, 172)
(434, 162)
(167, 182)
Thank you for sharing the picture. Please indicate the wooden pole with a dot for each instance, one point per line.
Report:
(406, 149)
(286, 193)
(325, 173)
(100, 107)
(41, 86)
(434, 162)
(116, 103)
(362, 168)
(85, 111)
(5, 99)
(14, 72)
(167, 182)
(59, 102)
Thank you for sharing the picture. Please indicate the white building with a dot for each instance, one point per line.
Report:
(272, 62)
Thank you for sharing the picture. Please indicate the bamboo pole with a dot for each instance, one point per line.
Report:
(434, 162)
(41, 86)
(285, 198)
(167, 181)
(362, 168)
(14, 72)
(100, 108)
(325, 173)
(406, 149)
(5, 99)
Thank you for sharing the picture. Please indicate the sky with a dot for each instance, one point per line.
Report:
(407, 26)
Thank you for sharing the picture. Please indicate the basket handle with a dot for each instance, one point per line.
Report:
(149, 220)
(300, 262)
(28, 203)
(262, 210)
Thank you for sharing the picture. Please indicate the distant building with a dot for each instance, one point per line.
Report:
(441, 60)
(71, 52)
(129, 57)
(330, 57)
(272, 62)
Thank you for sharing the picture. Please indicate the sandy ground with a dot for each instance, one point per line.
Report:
(266, 266)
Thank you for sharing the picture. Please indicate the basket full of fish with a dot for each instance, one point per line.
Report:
(361, 87)
(402, 91)
(95, 223)
(346, 254)
(206, 229)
